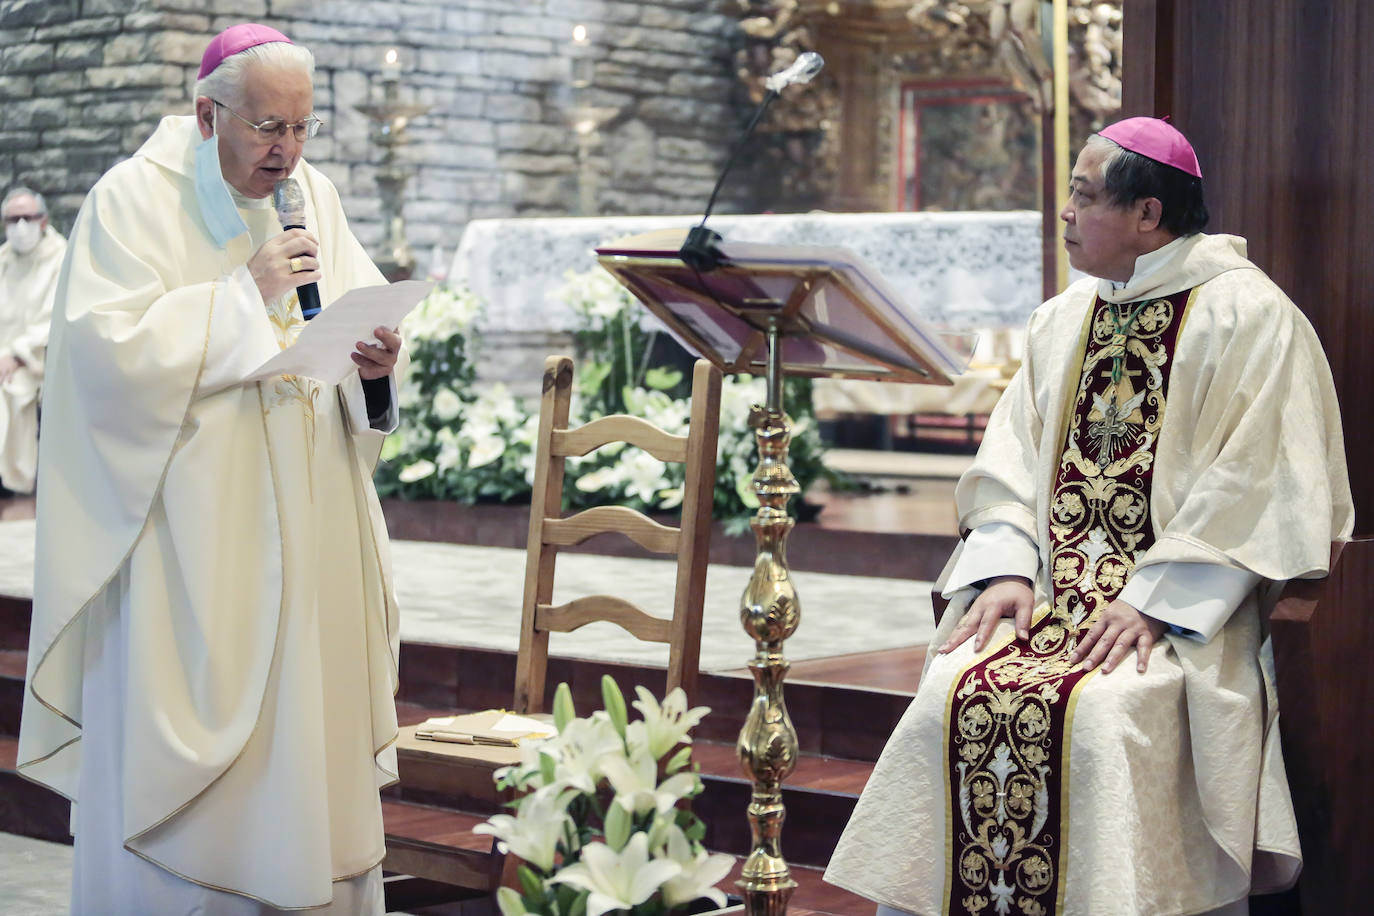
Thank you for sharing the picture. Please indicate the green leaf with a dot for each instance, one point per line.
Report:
(679, 760)
(579, 905)
(591, 376)
(563, 710)
(744, 489)
(614, 702)
(662, 378)
(530, 883)
(548, 767)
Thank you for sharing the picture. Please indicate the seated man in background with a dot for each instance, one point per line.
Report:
(1170, 446)
(29, 262)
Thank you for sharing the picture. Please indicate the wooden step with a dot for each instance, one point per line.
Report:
(820, 794)
(12, 664)
(26, 808)
(832, 720)
(437, 844)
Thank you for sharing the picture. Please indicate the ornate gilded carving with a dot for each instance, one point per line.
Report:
(798, 142)
(807, 139)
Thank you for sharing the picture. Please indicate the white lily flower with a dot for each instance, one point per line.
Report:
(617, 881)
(700, 872)
(645, 476)
(535, 829)
(446, 404)
(635, 781)
(510, 902)
(667, 725)
(486, 449)
(581, 750)
(600, 479)
(417, 471)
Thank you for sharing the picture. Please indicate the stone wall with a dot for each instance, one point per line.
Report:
(83, 82)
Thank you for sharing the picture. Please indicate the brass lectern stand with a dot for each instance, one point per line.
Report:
(773, 310)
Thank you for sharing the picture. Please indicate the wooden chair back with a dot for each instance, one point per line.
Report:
(549, 530)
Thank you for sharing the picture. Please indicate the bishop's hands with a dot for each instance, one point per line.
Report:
(377, 360)
(285, 262)
(1119, 630)
(1005, 596)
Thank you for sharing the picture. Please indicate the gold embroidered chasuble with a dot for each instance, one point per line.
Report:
(234, 529)
(1171, 798)
(1009, 713)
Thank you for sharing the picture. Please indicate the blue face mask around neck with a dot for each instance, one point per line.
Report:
(217, 205)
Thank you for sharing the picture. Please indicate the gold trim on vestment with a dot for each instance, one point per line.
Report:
(263, 900)
(1065, 821)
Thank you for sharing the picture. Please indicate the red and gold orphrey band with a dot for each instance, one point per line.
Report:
(1009, 716)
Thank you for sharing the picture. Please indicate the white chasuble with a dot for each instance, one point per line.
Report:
(231, 530)
(1173, 794)
(27, 284)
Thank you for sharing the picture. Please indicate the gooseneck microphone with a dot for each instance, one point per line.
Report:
(699, 252)
(290, 204)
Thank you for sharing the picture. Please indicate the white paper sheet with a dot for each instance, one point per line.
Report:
(322, 351)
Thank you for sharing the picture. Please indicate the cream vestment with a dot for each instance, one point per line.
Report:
(212, 550)
(1174, 796)
(27, 284)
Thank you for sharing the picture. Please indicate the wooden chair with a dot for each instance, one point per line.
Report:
(1323, 638)
(549, 530)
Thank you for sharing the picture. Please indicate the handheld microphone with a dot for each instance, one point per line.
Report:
(290, 204)
(699, 252)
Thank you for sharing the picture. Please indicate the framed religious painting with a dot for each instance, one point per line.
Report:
(967, 144)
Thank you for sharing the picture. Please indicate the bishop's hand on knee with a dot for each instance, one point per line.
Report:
(1005, 596)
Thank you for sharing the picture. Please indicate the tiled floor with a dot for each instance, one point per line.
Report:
(34, 876)
(455, 594)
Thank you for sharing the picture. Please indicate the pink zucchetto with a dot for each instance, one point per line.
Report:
(234, 39)
(1155, 139)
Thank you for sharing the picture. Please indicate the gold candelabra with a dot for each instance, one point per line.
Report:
(390, 117)
(769, 612)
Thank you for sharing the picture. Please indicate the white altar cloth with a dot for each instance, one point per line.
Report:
(962, 271)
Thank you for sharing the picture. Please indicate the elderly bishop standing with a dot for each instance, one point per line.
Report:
(213, 650)
(1097, 732)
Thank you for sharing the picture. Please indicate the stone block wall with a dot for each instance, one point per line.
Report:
(83, 83)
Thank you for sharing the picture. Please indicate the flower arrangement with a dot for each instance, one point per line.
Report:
(468, 444)
(604, 822)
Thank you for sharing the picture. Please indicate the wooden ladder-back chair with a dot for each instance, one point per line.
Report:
(549, 530)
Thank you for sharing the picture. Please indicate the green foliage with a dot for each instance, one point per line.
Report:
(468, 444)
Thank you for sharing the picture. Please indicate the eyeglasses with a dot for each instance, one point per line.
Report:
(274, 129)
(16, 217)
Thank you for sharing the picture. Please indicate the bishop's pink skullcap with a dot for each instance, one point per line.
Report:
(1155, 139)
(234, 39)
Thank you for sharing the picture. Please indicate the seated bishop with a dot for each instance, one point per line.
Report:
(1095, 728)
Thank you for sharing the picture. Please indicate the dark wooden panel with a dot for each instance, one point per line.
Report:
(1275, 95)
(1323, 640)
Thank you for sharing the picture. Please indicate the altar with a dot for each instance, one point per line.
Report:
(960, 271)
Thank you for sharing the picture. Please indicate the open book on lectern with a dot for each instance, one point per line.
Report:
(837, 317)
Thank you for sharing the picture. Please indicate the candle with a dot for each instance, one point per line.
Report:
(582, 62)
(391, 65)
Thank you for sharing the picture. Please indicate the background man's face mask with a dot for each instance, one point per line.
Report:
(24, 234)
